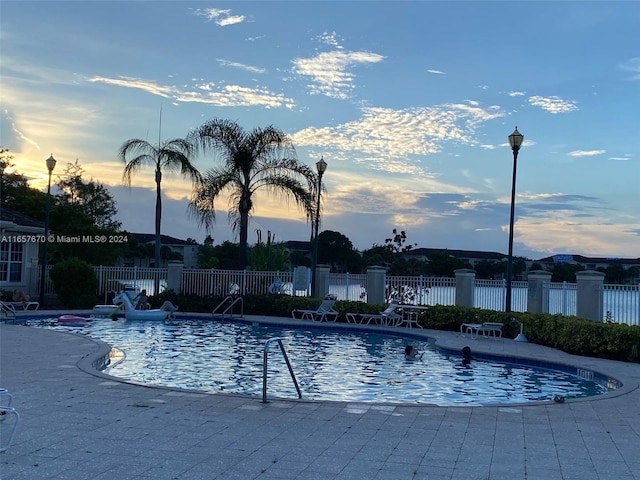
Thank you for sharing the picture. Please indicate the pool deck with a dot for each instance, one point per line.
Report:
(77, 423)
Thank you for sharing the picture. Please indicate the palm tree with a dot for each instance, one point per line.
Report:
(263, 158)
(172, 155)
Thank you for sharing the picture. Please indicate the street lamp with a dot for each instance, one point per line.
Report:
(51, 164)
(321, 166)
(515, 141)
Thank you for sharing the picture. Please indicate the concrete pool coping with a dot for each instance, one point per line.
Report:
(77, 426)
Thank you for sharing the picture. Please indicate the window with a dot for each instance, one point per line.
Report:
(11, 255)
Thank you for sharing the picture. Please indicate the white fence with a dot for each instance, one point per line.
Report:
(619, 303)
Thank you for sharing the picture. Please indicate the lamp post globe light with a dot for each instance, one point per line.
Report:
(321, 166)
(515, 142)
(51, 164)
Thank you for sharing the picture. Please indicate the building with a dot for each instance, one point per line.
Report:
(185, 251)
(20, 238)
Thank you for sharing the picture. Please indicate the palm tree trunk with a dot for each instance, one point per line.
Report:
(158, 222)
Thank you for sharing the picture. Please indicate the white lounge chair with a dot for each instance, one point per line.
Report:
(387, 317)
(24, 305)
(324, 312)
(487, 329)
(6, 411)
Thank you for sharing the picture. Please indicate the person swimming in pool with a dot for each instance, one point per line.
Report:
(466, 356)
(411, 353)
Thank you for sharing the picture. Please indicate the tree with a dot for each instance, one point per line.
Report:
(172, 155)
(396, 244)
(15, 192)
(84, 211)
(336, 249)
(93, 198)
(262, 159)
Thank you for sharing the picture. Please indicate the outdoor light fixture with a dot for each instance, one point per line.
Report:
(51, 164)
(321, 166)
(515, 141)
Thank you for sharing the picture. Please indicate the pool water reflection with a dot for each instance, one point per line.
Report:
(329, 365)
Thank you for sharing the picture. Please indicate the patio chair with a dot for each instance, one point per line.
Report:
(387, 317)
(487, 329)
(324, 312)
(7, 309)
(25, 305)
(6, 411)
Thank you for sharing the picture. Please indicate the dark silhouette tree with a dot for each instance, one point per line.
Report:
(171, 155)
(262, 159)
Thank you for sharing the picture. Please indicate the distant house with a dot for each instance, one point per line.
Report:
(20, 238)
(176, 249)
(472, 257)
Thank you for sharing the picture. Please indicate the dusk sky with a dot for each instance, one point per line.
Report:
(410, 104)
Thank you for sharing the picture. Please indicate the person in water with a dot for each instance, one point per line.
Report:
(170, 308)
(411, 353)
(466, 356)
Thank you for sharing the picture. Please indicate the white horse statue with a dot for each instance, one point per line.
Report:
(132, 314)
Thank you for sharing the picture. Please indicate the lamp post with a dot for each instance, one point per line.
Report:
(51, 164)
(321, 166)
(515, 141)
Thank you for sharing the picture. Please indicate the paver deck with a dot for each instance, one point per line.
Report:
(78, 423)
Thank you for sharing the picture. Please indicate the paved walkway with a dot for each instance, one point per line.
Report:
(80, 424)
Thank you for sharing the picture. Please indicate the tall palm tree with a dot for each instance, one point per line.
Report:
(172, 155)
(263, 158)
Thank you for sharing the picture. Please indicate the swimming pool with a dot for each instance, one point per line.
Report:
(357, 366)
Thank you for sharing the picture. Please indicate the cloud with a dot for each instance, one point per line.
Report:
(586, 153)
(249, 68)
(386, 138)
(219, 16)
(553, 104)
(209, 93)
(516, 94)
(329, 71)
(632, 65)
(436, 72)
(131, 82)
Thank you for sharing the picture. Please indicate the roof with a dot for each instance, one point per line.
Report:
(425, 252)
(7, 215)
(143, 238)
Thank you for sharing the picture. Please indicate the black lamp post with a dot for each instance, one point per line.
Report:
(51, 164)
(321, 166)
(515, 141)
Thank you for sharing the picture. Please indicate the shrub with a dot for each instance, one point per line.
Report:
(75, 282)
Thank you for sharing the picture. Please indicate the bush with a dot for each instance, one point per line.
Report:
(75, 282)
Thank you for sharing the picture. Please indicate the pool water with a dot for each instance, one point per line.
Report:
(340, 365)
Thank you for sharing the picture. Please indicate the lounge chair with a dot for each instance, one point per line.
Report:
(487, 329)
(7, 411)
(324, 312)
(387, 317)
(25, 305)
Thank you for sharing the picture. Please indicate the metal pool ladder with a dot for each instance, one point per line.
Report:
(264, 368)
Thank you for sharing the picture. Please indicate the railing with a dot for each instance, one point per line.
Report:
(621, 303)
(491, 295)
(209, 282)
(264, 367)
(420, 290)
(111, 279)
(560, 298)
(348, 286)
(228, 303)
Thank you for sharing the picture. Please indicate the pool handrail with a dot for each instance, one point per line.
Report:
(264, 367)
